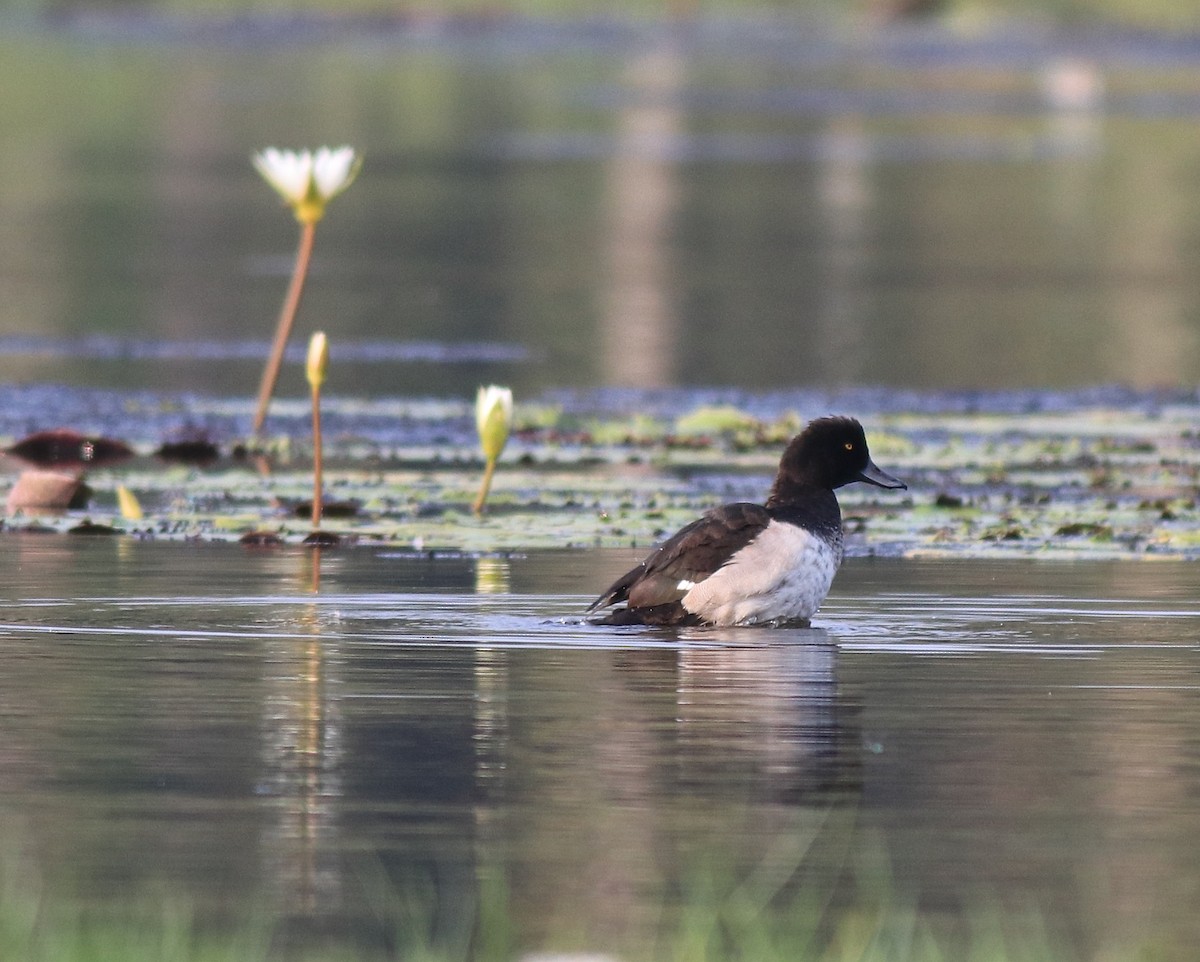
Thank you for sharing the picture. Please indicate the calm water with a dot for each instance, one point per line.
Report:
(419, 747)
(421, 740)
(764, 203)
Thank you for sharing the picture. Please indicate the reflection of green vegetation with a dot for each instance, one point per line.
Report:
(38, 925)
(865, 919)
(869, 920)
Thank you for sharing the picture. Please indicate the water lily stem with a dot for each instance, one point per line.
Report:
(287, 315)
(317, 457)
(486, 486)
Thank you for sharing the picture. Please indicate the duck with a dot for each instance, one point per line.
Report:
(755, 564)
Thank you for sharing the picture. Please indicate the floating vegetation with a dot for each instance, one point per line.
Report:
(1054, 478)
(715, 420)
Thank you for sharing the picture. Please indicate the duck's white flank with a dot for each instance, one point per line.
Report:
(783, 574)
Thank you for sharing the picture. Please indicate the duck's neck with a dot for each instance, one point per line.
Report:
(809, 499)
(818, 511)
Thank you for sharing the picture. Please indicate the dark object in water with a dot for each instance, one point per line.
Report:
(1085, 529)
(330, 509)
(198, 451)
(260, 539)
(65, 448)
(90, 528)
(323, 539)
(38, 490)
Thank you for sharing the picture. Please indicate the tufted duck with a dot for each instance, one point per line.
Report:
(745, 564)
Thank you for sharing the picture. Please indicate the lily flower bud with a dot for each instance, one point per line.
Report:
(317, 364)
(493, 419)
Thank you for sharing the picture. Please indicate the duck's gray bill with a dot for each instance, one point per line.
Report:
(873, 475)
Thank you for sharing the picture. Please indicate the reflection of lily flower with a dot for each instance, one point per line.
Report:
(307, 181)
(493, 417)
(491, 576)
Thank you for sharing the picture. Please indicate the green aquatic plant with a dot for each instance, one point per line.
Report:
(306, 181)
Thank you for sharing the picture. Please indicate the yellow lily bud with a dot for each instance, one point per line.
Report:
(308, 180)
(493, 418)
(317, 364)
(131, 509)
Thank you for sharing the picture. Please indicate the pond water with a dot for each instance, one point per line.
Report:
(408, 752)
(388, 749)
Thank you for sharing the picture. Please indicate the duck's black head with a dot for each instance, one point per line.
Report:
(828, 453)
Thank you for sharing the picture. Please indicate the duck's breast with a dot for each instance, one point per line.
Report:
(783, 574)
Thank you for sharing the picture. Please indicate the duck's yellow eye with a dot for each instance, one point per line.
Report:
(849, 445)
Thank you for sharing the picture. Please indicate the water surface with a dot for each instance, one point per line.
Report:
(764, 202)
(378, 746)
(400, 749)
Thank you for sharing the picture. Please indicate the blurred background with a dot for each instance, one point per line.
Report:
(764, 195)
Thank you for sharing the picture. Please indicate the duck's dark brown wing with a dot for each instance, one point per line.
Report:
(689, 556)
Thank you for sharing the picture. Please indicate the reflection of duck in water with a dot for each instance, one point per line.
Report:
(744, 564)
(765, 722)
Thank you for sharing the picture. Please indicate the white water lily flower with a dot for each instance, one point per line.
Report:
(307, 180)
(493, 417)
